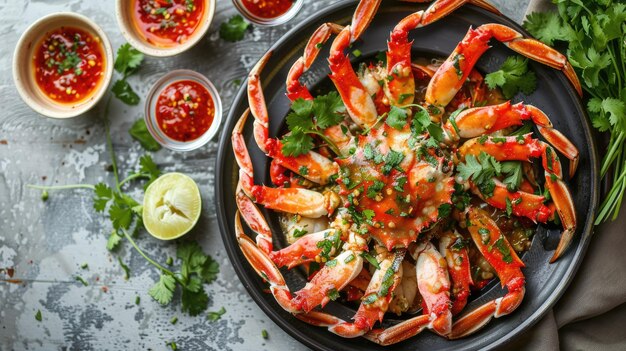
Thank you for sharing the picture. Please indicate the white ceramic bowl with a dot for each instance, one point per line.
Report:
(23, 67)
(151, 102)
(123, 10)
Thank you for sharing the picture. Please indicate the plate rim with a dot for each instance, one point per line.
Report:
(284, 324)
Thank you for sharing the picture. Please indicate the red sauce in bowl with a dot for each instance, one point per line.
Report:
(185, 110)
(267, 8)
(68, 64)
(167, 22)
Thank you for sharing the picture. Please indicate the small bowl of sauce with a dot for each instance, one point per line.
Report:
(183, 110)
(62, 65)
(268, 12)
(164, 27)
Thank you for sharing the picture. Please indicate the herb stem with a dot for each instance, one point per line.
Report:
(131, 177)
(107, 131)
(329, 142)
(151, 261)
(61, 187)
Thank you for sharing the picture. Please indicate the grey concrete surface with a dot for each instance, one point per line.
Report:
(46, 242)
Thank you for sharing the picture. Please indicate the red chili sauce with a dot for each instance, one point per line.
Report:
(267, 8)
(167, 22)
(68, 64)
(185, 110)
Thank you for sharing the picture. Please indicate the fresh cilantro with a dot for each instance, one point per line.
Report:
(387, 282)
(299, 232)
(548, 27)
(215, 316)
(509, 206)
(374, 189)
(308, 117)
(396, 118)
(139, 131)
(38, 316)
(264, 334)
(123, 91)
(234, 29)
(513, 76)
(399, 183)
(127, 63)
(128, 60)
(480, 171)
(392, 160)
(163, 290)
(444, 211)
(485, 235)
(113, 241)
(513, 172)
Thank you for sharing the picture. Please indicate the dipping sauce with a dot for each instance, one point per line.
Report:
(185, 110)
(68, 64)
(167, 22)
(267, 8)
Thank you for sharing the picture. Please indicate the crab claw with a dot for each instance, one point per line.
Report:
(303, 250)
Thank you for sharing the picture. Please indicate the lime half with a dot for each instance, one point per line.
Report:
(171, 206)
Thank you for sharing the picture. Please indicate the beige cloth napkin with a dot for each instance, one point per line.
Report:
(591, 315)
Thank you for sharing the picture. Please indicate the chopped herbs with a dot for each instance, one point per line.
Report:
(137, 300)
(481, 171)
(485, 235)
(299, 232)
(333, 294)
(501, 245)
(174, 320)
(216, 315)
(81, 280)
(44, 195)
(38, 316)
(84, 265)
(375, 189)
(370, 259)
(264, 334)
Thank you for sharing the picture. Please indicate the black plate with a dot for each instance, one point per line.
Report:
(554, 95)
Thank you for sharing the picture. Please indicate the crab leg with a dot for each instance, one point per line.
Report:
(297, 90)
(479, 121)
(400, 83)
(318, 168)
(377, 296)
(265, 268)
(523, 148)
(454, 71)
(434, 286)
(501, 256)
(304, 250)
(304, 202)
(452, 247)
(332, 278)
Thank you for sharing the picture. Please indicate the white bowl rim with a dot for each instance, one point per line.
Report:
(150, 50)
(82, 107)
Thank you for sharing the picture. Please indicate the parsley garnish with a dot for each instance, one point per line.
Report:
(234, 29)
(513, 76)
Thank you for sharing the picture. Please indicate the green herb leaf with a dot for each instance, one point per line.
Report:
(396, 118)
(128, 60)
(328, 110)
(123, 91)
(214, 316)
(297, 143)
(234, 29)
(38, 316)
(163, 290)
(124, 268)
(139, 131)
(512, 77)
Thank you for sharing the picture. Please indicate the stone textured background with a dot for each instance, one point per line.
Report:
(47, 242)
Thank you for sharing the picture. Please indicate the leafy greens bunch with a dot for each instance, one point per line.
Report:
(594, 33)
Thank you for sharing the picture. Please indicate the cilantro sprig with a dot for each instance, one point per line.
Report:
(127, 63)
(593, 33)
(483, 169)
(311, 117)
(512, 77)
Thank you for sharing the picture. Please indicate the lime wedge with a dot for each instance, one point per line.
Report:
(171, 206)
